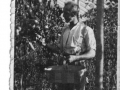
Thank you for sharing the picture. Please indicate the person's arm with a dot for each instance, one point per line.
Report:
(90, 54)
(91, 47)
(53, 48)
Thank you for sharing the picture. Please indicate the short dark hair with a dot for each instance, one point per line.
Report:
(72, 8)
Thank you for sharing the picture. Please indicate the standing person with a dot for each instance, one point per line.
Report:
(77, 41)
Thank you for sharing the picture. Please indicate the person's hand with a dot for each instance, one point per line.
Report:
(72, 58)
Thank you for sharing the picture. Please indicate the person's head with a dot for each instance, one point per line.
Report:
(70, 11)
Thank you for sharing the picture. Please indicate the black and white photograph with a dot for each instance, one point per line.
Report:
(65, 45)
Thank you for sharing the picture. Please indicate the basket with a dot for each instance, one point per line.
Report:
(64, 74)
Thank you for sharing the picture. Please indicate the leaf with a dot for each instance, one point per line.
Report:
(31, 45)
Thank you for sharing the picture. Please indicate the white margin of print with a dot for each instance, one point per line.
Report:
(118, 48)
(12, 27)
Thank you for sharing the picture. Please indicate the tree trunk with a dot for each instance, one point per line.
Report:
(100, 45)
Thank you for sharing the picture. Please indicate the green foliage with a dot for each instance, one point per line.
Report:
(35, 21)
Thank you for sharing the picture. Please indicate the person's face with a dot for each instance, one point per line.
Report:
(68, 16)
(69, 13)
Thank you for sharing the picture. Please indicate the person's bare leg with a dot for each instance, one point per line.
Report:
(81, 85)
(83, 82)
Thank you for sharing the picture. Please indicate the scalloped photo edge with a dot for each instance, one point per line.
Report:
(12, 27)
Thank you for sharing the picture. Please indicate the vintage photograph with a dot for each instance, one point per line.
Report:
(65, 45)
